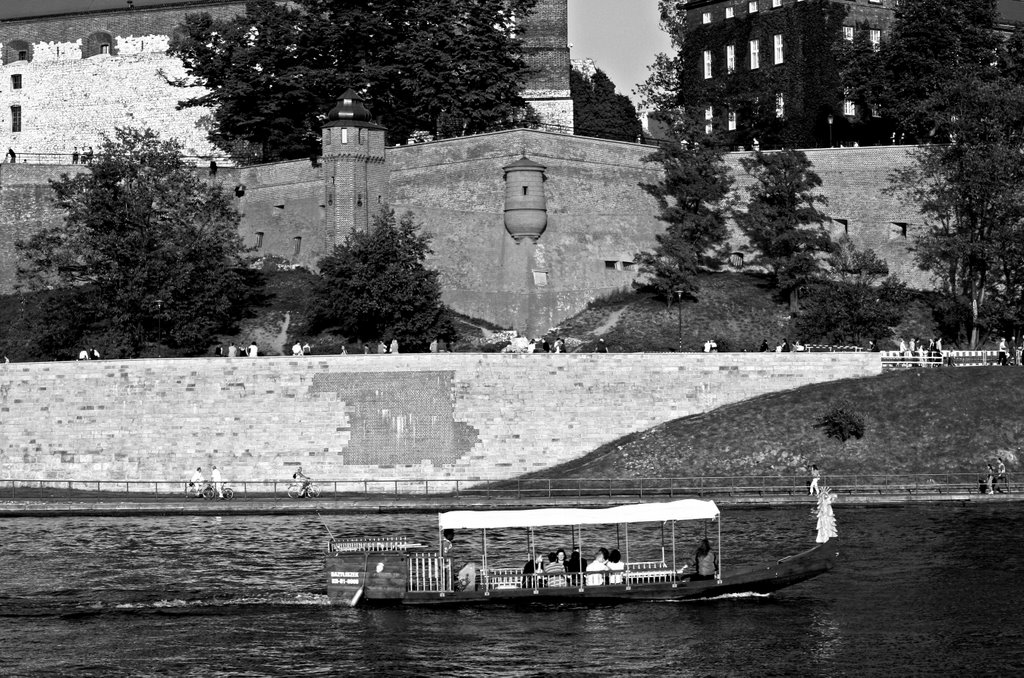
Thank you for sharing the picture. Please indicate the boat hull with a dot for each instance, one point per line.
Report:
(377, 579)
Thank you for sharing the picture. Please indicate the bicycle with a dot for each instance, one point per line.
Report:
(295, 491)
(208, 491)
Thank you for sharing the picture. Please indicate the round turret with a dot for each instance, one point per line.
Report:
(526, 212)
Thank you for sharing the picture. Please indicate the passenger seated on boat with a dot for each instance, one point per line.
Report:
(554, 570)
(615, 567)
(533, 567)
(597, 570)
(705, 560)
(575, 566)
(467, 578)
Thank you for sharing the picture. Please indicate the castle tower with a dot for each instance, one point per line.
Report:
(526, 214)
(546, 50)
(355, 174)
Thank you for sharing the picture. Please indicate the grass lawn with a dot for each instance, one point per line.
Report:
(916, 421)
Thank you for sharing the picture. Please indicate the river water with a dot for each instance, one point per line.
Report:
(923, 590)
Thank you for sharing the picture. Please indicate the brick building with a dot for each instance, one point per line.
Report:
(66, 79)
(767, 68)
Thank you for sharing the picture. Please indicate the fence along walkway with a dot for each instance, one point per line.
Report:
(532, 488)
(896, 359)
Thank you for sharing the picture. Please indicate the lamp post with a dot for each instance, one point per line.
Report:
(830, 119)
(159, 328)
(679, 311)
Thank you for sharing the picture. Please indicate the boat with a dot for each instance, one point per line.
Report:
(401, 571)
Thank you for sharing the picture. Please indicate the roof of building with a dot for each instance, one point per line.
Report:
(31, 9)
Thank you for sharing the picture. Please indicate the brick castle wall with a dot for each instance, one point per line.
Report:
(598, 217)
(68, 101)
(435, 416)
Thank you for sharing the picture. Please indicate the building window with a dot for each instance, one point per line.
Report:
(848, 33)
(736, 259)
(752, 6)
(15, 118)
(730, 58)
(16, 81)
(105, 48)
(729, 12)
(849, 109)
(705, 18)
(611, 265)
(898, 230)
(540, 278)
(344, 135)
(732, 121)
(709, 116)
(776, 3)
(780, 105)
(845, 223)
(875, 37)
(777, 41)
(526, 190)
(755, 54)
(362, 137)
(259, 239)
(298, 245)
(707, 64)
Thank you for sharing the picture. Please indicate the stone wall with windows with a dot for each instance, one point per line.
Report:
(467, 417)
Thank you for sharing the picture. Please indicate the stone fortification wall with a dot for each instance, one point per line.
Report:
(26, 206)
(854, 181)
(284, 201)
(71, 95)
(598, 218)
(444, 416)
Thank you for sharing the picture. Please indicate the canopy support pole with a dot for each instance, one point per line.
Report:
(674, 551)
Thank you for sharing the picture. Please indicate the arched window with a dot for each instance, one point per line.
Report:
(17, 50)
(99, 42)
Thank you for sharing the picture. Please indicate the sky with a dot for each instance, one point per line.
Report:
(621, 36)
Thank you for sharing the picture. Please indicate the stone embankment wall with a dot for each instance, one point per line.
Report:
(448, 416)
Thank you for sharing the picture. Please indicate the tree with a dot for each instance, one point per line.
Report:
(969, 193)
(600, 111)
(692, 197)
(841, 421)
(444, 66)
(782, 220)
(375, 286)
(931, 44)
(145, 242)
(856, 302)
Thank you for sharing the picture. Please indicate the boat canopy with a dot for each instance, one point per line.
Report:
(683, 509)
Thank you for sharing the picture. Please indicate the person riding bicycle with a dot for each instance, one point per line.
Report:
(195, 484)
(306, 481)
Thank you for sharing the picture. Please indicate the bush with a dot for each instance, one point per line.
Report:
(842, 422)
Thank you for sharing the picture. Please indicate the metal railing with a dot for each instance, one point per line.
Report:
(25, 489)
(896, 359)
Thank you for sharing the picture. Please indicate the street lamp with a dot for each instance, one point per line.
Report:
(159, 328)
(679, 310)
(830, 118)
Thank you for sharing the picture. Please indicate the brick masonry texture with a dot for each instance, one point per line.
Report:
(469, 417)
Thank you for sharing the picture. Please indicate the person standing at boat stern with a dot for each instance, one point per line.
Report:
(705, 560)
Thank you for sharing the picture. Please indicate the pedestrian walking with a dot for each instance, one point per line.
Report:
(815, 477)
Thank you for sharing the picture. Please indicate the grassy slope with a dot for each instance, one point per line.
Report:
(916, 421)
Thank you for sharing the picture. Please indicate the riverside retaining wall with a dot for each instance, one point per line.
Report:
(444, 416)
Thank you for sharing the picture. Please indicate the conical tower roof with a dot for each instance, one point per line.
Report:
(349, 111)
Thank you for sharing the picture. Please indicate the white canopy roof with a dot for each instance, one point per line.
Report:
(683, 509)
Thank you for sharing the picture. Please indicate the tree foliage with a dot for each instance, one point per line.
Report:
(857, 301)
(145, 242)
(692, 197)
(375, 287)
(599, 111)
(782, 220)
(445, 66)
(969, 193)
(932, 43)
